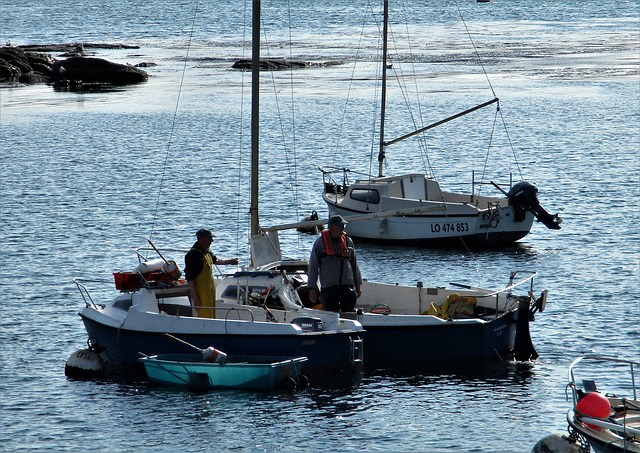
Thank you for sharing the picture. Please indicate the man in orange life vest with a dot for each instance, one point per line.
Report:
(333, 257)
(198, 271)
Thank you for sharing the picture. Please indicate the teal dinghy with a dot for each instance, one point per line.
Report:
(238, 372)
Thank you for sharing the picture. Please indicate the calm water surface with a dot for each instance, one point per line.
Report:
(87, 177)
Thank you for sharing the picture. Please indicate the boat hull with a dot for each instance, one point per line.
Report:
(327, 352)
(602, 440)
(606, 421)
(241, 372)
(438, 230)
(402, 346)
(420, 326)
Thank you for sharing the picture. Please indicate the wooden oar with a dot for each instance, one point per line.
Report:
(210, 354)
(158, 252)
(170, 267)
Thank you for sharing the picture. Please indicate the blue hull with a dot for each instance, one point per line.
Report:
(239, 372)
(413, 346)
(327, 352)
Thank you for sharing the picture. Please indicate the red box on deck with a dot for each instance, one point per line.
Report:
(126, 281)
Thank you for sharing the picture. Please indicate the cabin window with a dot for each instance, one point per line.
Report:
(366, 195)
(255, 292)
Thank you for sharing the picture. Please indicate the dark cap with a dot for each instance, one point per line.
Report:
(204, 233)
(337, 220)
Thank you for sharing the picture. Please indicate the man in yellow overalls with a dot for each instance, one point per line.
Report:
(198, 271)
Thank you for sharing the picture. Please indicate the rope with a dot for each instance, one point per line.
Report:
(173, 123)
(486, 159)
(491, 87)
(422, 143)
(475, 49)
(239, 197)
(351, 79)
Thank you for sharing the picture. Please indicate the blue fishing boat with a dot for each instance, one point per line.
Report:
(139, 319)
(155, 301)
(238, 372)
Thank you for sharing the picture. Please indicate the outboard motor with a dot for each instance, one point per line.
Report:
(524, 197)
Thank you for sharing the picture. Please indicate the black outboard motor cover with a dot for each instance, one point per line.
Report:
(524, 197)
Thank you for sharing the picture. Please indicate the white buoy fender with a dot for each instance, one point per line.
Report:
(151, 265)
(212, 355)
(84, 363)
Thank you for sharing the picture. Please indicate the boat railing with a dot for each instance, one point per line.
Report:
(84, 292)
(633, 368)
(481, 183)
(142, 257)
(611, 426)
(269, 316)
(507, 291)
(330, 183)
(229, 310)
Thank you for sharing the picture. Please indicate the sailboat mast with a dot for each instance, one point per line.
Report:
(383, 105)
(255, 117)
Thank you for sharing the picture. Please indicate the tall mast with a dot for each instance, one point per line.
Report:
(255, 117)
(383, 105)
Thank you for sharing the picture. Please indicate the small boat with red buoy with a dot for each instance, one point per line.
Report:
(607, 422)
(600, 421)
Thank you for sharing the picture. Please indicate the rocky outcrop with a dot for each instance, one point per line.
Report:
(30, 66)
(279, 64)
(16, 64)
(97, 70)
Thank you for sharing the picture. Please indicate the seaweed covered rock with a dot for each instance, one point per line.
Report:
(279, 64)
(24, 65)
(16, 64)
(97, 70)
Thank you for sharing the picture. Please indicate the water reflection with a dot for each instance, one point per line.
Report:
(406, 265)
(519, 250)
(515, 373)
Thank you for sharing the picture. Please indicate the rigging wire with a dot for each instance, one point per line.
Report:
(173, 123)
(293, 174)
(475, 49)
(376, 96)
(246, 13)
(506, 130)
(486, 159)
(421, 137)
(293, 167)
(404, 90)
(349, 89)
(289, 150)
(492, 91)
(422, 141)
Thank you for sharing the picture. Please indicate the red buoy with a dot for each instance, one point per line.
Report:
(594, 405)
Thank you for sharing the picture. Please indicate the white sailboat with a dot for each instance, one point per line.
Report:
(440, 217)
